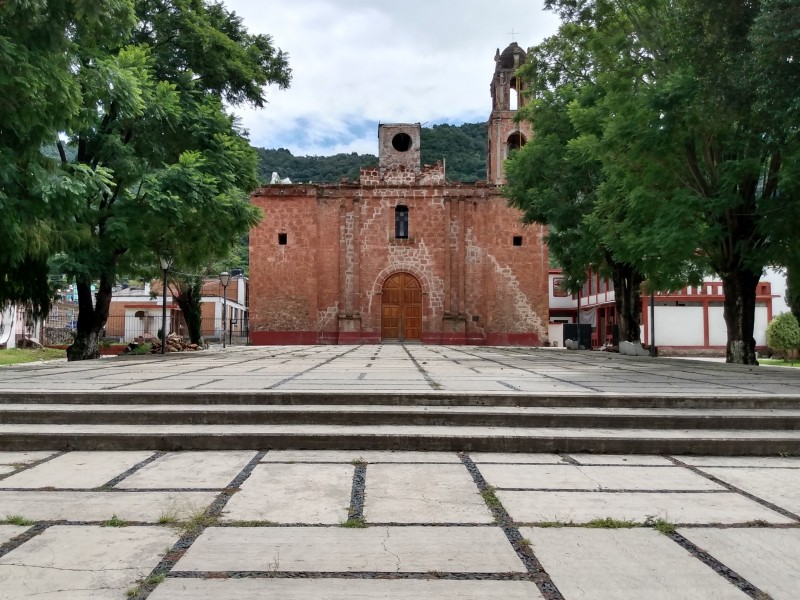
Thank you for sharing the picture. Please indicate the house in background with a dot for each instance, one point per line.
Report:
(137, 311)
(690, 319)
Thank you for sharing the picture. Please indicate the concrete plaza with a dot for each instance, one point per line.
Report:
(350, 524)
(403, 368)
(341, 525)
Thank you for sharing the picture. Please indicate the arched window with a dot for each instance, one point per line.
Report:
(401, 222)
(515, 141)
(513, 94)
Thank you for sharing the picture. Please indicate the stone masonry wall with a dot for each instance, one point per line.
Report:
(324, 285)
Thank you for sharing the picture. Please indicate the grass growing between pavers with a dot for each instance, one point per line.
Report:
(354, 523)
(115, 521)
(198, 521)
(146, 584)
(490, 497)
(609, 523)
(17, 520)
(661, 525)
(13, 356)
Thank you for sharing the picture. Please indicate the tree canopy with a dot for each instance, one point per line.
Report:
(149, 162)
(685, 112)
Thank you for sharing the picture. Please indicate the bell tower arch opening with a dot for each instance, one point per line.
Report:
(515, 141)
(504, 132)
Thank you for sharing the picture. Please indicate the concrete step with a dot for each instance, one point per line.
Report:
(602, 423)
(681, 399)
(368, 415)
(390, 437)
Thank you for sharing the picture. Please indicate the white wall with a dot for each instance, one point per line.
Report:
(556, 334)
(678, 326)
(760, 327)
(777, 280)
(559, 301)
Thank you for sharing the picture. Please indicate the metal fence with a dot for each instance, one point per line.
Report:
(60, 326)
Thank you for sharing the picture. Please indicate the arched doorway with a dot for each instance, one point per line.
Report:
(401, 308)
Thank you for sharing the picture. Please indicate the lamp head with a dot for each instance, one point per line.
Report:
(224, 278)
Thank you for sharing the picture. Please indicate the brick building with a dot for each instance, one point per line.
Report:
(403, 254)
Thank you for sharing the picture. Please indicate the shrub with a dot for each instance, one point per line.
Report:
(783, 333)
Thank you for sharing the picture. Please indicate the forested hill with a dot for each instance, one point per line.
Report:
(462, 146)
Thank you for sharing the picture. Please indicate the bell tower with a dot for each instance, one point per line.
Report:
(504, 134)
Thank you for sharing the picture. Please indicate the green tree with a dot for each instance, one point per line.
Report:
(696, 133)
(40, 98)
(159, 167)
(188, 294)
(783, 333)
(558, 178)
(793, 291)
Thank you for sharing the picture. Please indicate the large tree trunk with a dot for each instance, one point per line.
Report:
(628, 300)
(740, 309)
(188, 297)
(793, 289)
(92, 319)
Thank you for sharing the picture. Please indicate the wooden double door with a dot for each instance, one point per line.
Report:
(401, 308)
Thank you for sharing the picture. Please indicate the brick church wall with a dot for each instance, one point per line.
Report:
(324, 285)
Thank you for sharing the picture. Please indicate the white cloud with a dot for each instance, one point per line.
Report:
(358, 62)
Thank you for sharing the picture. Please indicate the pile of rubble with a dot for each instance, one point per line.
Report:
(175, 343)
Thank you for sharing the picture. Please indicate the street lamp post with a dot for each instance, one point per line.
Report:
(166, 263)
(652, 323)
(224, 279)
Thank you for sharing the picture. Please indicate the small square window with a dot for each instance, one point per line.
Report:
(518, 240)
(282, 239)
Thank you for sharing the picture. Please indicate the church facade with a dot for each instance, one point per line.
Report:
(403, 254)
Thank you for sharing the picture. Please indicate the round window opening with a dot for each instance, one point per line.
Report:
(401, 142)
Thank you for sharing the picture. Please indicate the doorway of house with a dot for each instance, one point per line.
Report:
(401, 309)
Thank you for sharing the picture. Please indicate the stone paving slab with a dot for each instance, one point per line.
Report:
(625, 564)
(517, 458)
(146, 507)
(594, 478)
(22, 458)
(189, 470)
(781, 488)
(621, 459)
(582, 507)
(343, 589)
(742, 461)
(293, 493)
(8, 532)
(368, 456)
(334, 549)
(76, 470)
(81, 562)
(423, 494)
(5, 469)
(765, 557)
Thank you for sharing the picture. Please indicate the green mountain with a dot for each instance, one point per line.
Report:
(463, 147)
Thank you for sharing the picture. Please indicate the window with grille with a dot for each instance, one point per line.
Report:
(401, 222)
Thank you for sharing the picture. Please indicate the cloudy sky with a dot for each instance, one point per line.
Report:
(359, 62)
